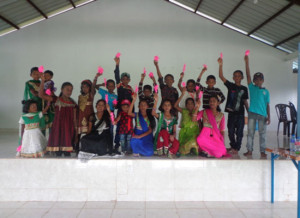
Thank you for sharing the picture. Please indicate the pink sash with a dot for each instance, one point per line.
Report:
(213, 122)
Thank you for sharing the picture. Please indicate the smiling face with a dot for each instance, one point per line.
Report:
(47, 77)
(258, 82)
(190, 87)
(190, 105)
(125, 80)
(167, 106)
(125, 108)
(211, 83)
(67, 91)
(143, 106)
(147, 92)
(100, 106)
(35, 75)
(169, 80)
(32, 108)
(213, 103)
(110, 87)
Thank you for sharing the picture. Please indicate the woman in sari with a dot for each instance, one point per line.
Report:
(142, 139)
(211, 138)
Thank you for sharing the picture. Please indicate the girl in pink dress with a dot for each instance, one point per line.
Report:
(211, 138)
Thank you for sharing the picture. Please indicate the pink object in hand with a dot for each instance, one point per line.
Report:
(19, 148)
(136, 89)
(105, 82)
(183, 84)
(106, 98)
(112, 117)
(200, 94)
(197, 88)
(115, 102)
(151, 75)
(48, 92)
(221, 55)
(184, 66)
(118, 55)
(145, 71)
(41, 69)
(156, 58)
(100, 70)
(156, 88)
(204, 66)
(247, 52)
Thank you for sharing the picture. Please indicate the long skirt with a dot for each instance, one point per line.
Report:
(33, 143)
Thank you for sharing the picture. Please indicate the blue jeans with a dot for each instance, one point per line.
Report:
(262, 129)
(125, 142)
(235, 125)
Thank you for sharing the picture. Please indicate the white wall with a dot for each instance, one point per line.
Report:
(73, 44)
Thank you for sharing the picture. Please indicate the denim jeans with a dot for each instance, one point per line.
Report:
(262, 128)
(235, 127)
(125, 142)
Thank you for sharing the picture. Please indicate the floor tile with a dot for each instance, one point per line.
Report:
(95, 213)
(29, 213)
(99, 204)
(126, 213)
(165, 213)
(194, 213)
(69, 204)
(226, 213)
(62, 213)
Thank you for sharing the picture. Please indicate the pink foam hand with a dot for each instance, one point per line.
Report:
(247, 52)
(100, 70)
(204, 66)
(221, 55)
(151, 75)
(48, 92)
(19, 148)
(106, 98)
(41, 69)
(200, 94)
(156, 88)
(115, 102)
(118, 55)
(183, 84)
(156, 58)
(136, 89)
(145, 71)
(183, 69)
(112, 117)
(105, 82)
(197, 88)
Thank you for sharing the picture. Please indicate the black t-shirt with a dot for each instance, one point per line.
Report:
(235, 98)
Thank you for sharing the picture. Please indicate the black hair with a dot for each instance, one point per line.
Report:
(49, 72)
(172, 111)
(26, 105)
(33, 69)
(210, 77)
(189, 99)
(239, 71)
(149, 115)
(110, 81)
(64, 85)
(147, 87)
(216, 97)
(85, 83)
(169, 75)
(191, 81)
(106, 115)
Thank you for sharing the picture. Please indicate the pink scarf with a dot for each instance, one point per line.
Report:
(213, 122)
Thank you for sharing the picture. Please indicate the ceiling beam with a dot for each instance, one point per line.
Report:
(9, 22)
(287, 39)
(198, 6)
(72, 3)
(37, 8)
(271, 18)
(233, 10)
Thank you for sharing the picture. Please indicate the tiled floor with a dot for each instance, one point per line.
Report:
(9, 141)
(148, 209)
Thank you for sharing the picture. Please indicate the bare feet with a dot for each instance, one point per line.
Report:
(248, 153)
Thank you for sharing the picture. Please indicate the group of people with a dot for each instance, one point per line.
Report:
(116, 127)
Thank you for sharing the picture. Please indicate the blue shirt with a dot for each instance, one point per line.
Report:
(111, 98)
(259, 99)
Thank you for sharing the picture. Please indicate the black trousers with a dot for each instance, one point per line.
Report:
(235, 125)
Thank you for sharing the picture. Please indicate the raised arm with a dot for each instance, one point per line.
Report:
(176, 106)
(200, 76)
(197, 106)
(93, 91)
(117, 70)
(130, 113)
(180, 81)
(154, 83)
(157, 70)
(220, 61)
(155, 105)
(42, 94)
(246, 58)
(141, 85)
